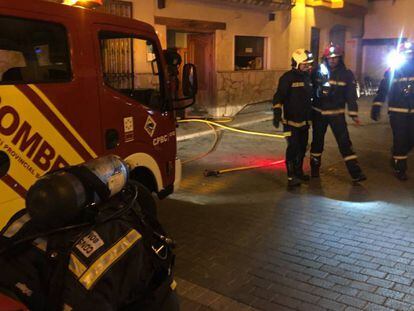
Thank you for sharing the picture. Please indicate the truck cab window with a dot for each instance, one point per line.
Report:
(128, 64)
(33, 52)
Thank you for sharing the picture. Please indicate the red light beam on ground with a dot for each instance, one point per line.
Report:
(208, 173)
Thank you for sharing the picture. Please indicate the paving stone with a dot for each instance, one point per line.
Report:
(371, 297)
(338, 280)
(263, 304)
(389, 293)
(321, 283)
(399, 279)
(363, 286)
(398, 305)
(407, 298)
(352, 301)
(399, 259)
(391, 270)
(374, 273)
(384, 262)
(331, 305)
(350, 267)
(331, 294)
(286, 301)
(380, 282)
(310, 307)
(375, 307)
(346, 290)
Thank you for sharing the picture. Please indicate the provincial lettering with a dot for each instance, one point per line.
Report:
(23, 134)
(29, 142)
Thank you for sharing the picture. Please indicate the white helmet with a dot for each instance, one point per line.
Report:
(301, 56)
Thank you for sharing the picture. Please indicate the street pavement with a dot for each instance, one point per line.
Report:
(246, 242)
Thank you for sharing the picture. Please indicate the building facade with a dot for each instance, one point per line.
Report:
(241, 47)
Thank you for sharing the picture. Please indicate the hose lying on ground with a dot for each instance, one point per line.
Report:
(217, 136)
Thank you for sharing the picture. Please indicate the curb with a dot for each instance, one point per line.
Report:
(237, 124)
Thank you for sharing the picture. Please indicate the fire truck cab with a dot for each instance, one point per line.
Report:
(63, 101)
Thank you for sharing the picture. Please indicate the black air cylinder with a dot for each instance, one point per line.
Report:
(58, 198)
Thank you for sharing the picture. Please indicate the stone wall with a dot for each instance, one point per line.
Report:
(236, 89)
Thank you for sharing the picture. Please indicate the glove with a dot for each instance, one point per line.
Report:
(375, 112)
(277, 117)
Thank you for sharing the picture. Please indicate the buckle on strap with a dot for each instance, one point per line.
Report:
(161, 252)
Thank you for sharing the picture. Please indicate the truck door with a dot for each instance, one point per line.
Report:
(39, 125)
(134, 118)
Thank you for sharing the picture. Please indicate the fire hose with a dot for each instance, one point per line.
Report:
(214, 125)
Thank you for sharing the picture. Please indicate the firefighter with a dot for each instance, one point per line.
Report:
(111, 256)
(294, 95)
(397, 88)
(335, 87)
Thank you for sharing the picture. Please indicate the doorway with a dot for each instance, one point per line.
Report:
(197, 48)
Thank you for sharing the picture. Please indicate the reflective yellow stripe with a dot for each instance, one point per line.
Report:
(298, 84)
(351, 157)
(41, 244)
(400, 157)
(329, 112)
(16, 226)
(76, 266)
(394, 109)
(296, 124)
(353, 113)
(316, 109)
(316, 154)
(340, 83)
(66, 307)
(377, 104)
(62, 119)
(277, 106)
(405, 79)
(173, 285)
(106, 260)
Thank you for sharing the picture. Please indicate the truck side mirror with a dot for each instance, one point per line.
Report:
(190, 82)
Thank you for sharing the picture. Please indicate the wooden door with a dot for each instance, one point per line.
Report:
(184, 57)
(201, 54)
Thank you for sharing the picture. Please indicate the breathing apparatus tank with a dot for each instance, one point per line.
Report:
(60, 197)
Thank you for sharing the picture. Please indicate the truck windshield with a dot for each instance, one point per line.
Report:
(126, 65)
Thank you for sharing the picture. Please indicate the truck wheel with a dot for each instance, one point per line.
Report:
(146, 201)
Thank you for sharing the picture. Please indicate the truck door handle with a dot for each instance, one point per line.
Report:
(111, 139)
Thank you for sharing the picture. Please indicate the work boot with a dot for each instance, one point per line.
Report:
(400, 169)
(315, 164)
(293, 180)
(299, 170)
(355, 171)
(359, 177)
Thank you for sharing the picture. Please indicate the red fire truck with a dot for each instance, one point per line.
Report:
(64, 98)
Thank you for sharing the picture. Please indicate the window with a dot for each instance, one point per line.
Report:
(249, 53)
(130, 66)
(33, 52)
